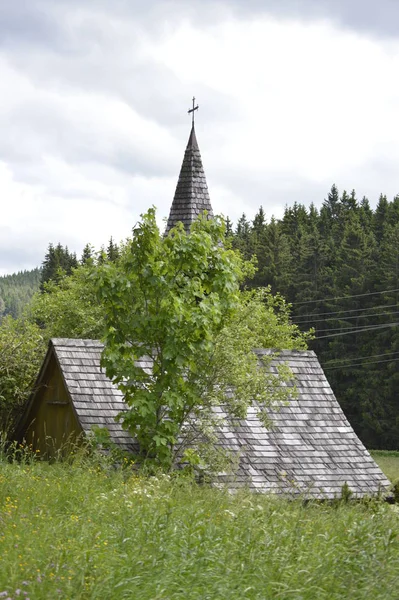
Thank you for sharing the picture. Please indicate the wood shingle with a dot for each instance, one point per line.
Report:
(311, 448)
(191, 196)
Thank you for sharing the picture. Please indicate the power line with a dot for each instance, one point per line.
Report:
(357, 330)
(310, 322)
(352, 327)
(360, 357)
(375, 362)
(344, 297)
(340, 312)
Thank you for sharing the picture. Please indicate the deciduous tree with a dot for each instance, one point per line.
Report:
(21, 352)
(176, 300)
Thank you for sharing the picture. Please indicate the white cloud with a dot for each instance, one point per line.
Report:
(93, 131)
(75, 208)
(311, 98)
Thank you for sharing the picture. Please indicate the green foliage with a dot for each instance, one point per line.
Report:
(176, 301)
(388, 461)
(21, 352)
(69, 306)
(16, 291)
(322, 261)
(334, 266)
(112, 251)
(82, 531)
(87, 254)
(99, 445)
(58, 261)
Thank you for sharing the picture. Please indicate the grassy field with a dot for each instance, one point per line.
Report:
(389, 463)
(81, 532)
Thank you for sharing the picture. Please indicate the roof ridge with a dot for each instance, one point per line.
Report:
(74, 342)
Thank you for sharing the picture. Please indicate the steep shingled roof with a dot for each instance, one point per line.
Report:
(191, 196)
(311, 449)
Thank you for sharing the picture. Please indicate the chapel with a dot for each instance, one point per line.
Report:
(311, 450)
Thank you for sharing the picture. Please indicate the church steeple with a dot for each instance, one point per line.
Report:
(191, 196)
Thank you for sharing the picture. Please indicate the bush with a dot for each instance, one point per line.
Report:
(22, 349)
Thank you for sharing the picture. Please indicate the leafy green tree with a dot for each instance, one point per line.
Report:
(21, 351)
(69, 306)
(176, 301)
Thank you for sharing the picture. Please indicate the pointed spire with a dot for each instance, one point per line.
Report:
(191, 195)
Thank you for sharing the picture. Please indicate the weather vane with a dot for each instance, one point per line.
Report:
(191, 110)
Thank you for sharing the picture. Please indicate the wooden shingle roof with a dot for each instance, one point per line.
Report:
(191, 196)
(311, 448)
(96, 400)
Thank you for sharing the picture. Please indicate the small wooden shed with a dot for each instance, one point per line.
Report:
(311, 449)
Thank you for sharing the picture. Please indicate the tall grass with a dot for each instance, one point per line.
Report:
(81, 531)
(388, 461)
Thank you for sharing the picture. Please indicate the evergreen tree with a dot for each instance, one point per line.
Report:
(58, 262)
(242, 237)
(257, 246)
(332, 204)
(112, 251)
(277, 262)
(87, 254)
(16, 291)
(229, 227)
(259, 222)
(365, 214)
(329, 264)
(380, 218)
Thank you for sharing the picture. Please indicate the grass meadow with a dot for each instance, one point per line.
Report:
(83, 531)
(388, 461)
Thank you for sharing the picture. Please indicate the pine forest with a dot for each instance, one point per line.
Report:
(338, 266)
(16, 291)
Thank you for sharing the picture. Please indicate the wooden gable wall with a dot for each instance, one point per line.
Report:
(51, 422)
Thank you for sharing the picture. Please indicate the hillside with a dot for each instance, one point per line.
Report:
(339, 268)
(16, 290)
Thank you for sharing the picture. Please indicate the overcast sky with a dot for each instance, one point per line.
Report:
(294, 96)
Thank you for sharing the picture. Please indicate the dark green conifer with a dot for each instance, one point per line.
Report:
(112, 251)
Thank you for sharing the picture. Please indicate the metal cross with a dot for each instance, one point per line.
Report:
(192, 110)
